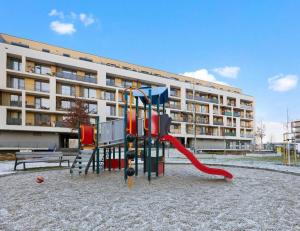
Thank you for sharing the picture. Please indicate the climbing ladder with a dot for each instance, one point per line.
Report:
(83, 161)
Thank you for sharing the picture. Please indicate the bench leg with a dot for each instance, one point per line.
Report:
(15, 168)
(24, 166)
(68, 163)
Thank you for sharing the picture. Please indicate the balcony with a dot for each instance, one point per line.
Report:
(174, 106)
(71, 76)
(236, 114)
(247, 107)
(61, 124)
(218, 123)
(226, 113)
(204, 99)
(229, 134)
(14, 121)
(247, 135)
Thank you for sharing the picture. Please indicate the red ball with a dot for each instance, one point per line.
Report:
(39, 179)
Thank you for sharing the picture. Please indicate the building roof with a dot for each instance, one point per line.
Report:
(27, 43)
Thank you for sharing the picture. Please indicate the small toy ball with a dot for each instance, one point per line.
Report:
(39, 179)
(130, 172)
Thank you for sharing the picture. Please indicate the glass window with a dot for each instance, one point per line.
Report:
(67, 90)
(65, 104)
(42, 69)
(41, 86)
(17, 83)
(109, 96)
(14, 64)
(89, 93)
(42, 103)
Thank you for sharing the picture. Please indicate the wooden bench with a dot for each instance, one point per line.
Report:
(34, 157)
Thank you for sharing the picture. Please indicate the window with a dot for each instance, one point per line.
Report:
(14, 64)
(41, 86)
(109, 96)
(67, 71)
(67, 90)
(65, 104)
(89, 93)
(15, 100)
(92, 108)
(111, 110)
(17, 83)
(66, 55)
(86, 59)
(126, 83)
(14, 118)
(110, 81)
(145, 85)
(42, 69)
(46, 50)
(19, 44)
(42, 120)
(42, 103)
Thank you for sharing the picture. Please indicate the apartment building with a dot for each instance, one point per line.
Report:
(39, 82)
(296, 130)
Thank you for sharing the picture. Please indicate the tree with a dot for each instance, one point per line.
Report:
(77, 114)
(260, 133)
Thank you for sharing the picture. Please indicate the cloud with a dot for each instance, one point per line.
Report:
(283, 83)
(62, 28)
(86, 19)
(229, 72)
(56, 13)
(202, 74)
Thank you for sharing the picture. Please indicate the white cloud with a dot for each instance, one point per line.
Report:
(202, 74)
(86, 19)
(62, 28)
(229, 72)
(56, 13)
(283, 83)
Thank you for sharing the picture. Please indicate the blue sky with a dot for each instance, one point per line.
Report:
(253, 45)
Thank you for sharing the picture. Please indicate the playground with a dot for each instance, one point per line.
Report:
(184, 199)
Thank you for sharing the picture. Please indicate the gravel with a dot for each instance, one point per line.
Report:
(184, 199)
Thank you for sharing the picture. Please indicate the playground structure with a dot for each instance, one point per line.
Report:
(289, 149)
(134, 138)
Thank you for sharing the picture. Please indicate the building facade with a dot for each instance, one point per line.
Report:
(39, 82)
(296, 130)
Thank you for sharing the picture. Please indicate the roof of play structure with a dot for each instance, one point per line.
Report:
(158, 94)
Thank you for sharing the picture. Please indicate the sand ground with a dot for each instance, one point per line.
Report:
(184, 199)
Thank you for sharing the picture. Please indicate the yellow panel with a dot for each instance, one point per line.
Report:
(30, 118)
(77, 91)
(29, 100)
(53, 69)
(29, 84)
(118, 82)
(81, 73)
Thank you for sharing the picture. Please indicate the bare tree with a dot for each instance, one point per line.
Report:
(77, 114)
(260, 133)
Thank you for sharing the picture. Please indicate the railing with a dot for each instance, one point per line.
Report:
(236, 114)
(110, 83)
(14, 121)
(247, 107)
(15, 103)
(218, 123)
(175, 94)
(204, 99)
(71, 76)
(174, 106)
(247, 135)
(61, 124)
(227, 113)
(229, 134)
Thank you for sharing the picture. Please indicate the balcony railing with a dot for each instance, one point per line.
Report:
(218, 123)
(227, 113)
(204, 99)
(14, 121)
(61, 124)
(229, 134)
(236, 114)
(247, 135)
(15, 103)
(174, 106)
(247, 107)
(71, 76)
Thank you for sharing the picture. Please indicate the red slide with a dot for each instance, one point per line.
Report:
(194, 160)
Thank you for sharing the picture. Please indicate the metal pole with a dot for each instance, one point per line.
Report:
(137, 134)
(145, 142)
(119, 156)
(125, 134)
(194, 117)
(109, 159)
(114, 156)
(149, 136)
(163, 144)
(158, 136)
(97, 143)
(104, 158)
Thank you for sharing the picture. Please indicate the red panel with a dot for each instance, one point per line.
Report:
(114, 163)
(160, 168)
(87, 135)
(154, 124)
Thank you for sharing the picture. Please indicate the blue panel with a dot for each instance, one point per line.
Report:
(157, 93)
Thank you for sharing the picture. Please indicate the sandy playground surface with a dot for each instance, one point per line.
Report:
(184, 199)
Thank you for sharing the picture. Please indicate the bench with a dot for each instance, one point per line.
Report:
(34, 157)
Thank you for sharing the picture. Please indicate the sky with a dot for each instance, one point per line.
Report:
(252, 45)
